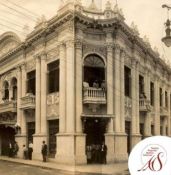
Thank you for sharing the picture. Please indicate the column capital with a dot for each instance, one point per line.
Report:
(117, 48)
(69, 43)
(78, 44)
(109, 47)
(134, 63)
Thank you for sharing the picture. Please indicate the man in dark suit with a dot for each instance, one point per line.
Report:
(44, 151)
(104, 153)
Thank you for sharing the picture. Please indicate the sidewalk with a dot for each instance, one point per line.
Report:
(110, 169)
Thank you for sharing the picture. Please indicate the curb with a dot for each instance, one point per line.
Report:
(58, 169)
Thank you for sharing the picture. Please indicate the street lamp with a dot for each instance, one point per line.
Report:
(167, 38)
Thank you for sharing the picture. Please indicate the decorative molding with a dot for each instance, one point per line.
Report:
(88, 48)
(31, 65)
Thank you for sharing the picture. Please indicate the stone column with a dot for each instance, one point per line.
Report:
(19, 94)
(156, 107)
(62, 89)
(37, 138)
(38, 96)
(109, 136)
(135, 131)
(70, 87)
(119, 106)
(117, 93)
(23, 92)
(43, 95)
(80, 137)
(67, 141)
(20, 137)
(147, 122)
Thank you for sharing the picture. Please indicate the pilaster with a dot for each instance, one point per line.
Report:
(120, 153)
(70, 87)
(135, 131)
(156, 107)
(62, 89)
(147, 122)
(43, 94)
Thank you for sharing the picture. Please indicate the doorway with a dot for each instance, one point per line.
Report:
(128, 132)
(53, 130)
(31, 131)
(95, 129)
(7, 136)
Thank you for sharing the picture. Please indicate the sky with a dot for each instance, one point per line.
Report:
(148, 15)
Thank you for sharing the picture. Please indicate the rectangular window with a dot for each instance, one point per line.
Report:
(141, 85)
(127, 79)
(152, 93)
(53, 77)
(166, 100)
(31, 82)
(160, 97)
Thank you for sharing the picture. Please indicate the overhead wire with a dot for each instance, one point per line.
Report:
(30, 12)
(19, 12)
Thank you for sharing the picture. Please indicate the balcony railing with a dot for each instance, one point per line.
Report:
(94, 95)
(8, 106)
(28, 102)
(144, 105)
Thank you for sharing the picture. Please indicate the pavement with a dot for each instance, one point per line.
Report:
(109, 169)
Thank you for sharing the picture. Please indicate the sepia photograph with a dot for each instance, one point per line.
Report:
(82, 82)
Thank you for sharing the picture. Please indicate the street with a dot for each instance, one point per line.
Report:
(8, 168)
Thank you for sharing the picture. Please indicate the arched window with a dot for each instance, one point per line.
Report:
(6, 90)
(14, 88)
(94, 70)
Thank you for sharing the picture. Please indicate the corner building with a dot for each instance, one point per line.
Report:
(47, 89)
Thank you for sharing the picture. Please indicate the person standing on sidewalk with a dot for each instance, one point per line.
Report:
(44, 151)
(30, 150)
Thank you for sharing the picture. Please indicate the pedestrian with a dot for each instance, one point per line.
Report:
(10, 150)
(89, 154)
(103, 86)
(15, 149)
(44, 151)
(104, 153)
(25, 152)
(30, 150)
(96, 84)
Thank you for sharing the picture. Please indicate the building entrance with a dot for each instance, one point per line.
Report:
(31, 131)
(95, 130)
(7, 135)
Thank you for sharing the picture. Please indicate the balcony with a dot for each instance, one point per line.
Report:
(94, 96)
(28, 102)
(8, 106)
(144, 105)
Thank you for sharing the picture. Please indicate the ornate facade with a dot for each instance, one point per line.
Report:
(82, 78)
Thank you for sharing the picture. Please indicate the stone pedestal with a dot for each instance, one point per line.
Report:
(109, 141)
(71, 149)
(37, 145)
(21, 139)
(121, 154)
(135, 138)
